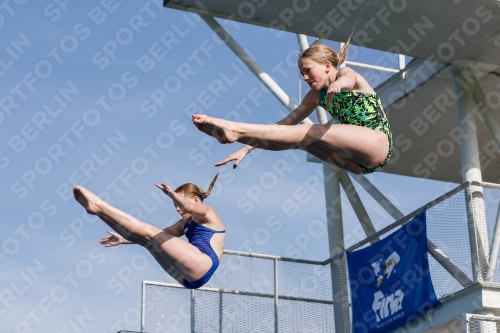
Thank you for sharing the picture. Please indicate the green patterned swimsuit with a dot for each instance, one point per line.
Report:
(361, 109)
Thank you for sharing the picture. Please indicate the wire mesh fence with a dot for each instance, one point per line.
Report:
(253, 294)
(259, 293)
(481, 324)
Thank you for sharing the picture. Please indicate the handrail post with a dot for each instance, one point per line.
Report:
(495, 246)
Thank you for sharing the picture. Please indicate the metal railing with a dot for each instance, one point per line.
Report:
(271, 293)
(474, 323)
(267, 292)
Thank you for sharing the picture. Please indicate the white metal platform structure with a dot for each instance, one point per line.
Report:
(443, 110)
(450, 39)
(262, 293)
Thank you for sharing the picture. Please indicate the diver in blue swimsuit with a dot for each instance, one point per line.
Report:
(191, 263)
(200, 236)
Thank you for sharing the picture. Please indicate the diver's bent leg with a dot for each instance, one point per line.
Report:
(339, 161)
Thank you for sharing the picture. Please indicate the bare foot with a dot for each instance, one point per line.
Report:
(224, 131)
(87, 199)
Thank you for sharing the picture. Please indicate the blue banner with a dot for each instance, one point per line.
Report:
(390, 280)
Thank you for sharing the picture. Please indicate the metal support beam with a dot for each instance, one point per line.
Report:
(338, 267)
(402, 65)
(318, 41)
(471, 170)
(495, 246)
(303, 43)
(486, 113)
(276, 280)
(220, 311)
(372, 67)
(192, 311)
(357, 205)
(320, 112)
(143, 306)
(379, 197)
(441, 258)
(341, 45)
(333, 209)
(252, 65)
(467, 130)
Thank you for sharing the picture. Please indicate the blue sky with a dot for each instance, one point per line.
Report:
(101, 96)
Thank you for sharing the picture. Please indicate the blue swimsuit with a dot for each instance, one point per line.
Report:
(200, 236)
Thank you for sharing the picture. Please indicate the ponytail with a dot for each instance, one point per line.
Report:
(190, 189)
(207, 193)
(342, 55)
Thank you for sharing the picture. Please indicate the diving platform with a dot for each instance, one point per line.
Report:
(449, 41)
(443, 108)
(277, 294)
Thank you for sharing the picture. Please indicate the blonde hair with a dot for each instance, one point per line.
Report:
(192, 190)
(322, 53)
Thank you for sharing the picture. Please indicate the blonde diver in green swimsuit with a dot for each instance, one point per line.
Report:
(361, 143)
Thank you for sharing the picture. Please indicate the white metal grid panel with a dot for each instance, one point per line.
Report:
(477, 326)
(244, 274)
(299, 316)
(447, 228)
(304, 280)
(206, 311)
(482, 324)
(341, 295)
(242, 313)
(167, 310)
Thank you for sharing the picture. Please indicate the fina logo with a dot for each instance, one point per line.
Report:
(386, 306)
